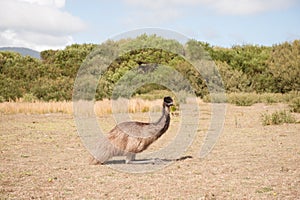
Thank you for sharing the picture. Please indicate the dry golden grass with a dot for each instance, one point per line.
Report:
(36, 107)
(101, 108)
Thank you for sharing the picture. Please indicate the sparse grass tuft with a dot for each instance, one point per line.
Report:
(264, 190)
(278, 117)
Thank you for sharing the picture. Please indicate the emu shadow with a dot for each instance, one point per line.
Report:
(153, 161)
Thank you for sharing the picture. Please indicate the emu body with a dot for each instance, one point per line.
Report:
(130, 138)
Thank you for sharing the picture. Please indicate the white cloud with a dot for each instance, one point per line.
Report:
(246, 7)
(37, 24)
(231, 7)
(33, 40)
(56, 3)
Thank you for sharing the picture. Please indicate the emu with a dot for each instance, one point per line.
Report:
(129, 138)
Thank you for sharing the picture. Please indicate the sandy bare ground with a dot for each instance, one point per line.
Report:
(42, 157)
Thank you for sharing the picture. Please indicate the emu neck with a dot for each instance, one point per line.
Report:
(164, 121)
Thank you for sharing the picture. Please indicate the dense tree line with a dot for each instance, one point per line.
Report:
(246, 68)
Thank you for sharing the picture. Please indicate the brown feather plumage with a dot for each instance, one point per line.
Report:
(129, 138)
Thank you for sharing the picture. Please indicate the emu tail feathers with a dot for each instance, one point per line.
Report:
(105, 150)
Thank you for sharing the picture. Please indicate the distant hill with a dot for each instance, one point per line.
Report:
(23, 51)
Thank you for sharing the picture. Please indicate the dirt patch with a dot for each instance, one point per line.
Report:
(42, 157)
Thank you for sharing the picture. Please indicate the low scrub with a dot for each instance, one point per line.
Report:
(270, 98)
(243, 99)
(295, 105)
(248, 99)
(215, 98)
(278, 117)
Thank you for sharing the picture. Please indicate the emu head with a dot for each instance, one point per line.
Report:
(168, 101)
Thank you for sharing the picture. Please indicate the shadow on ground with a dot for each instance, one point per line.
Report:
(148, 161)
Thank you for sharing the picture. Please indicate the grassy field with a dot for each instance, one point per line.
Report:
(42, 157)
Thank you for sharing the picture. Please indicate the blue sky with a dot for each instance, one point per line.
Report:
(53, 24)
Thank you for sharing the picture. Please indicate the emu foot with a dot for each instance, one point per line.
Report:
(94, 161)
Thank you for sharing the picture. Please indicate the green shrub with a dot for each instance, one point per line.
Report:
(289, 97)
(295, 105)
(248, 99)
(29, 97)
(270, 98)
(155, 94)
(278, 117)
(243, 99)
(215, 98)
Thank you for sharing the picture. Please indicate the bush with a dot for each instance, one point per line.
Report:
(29, 97)
(295, 105)
(243, 99)
(289, 97)
(215, 98)
(270, 98)
(9, 89)
(278, 117)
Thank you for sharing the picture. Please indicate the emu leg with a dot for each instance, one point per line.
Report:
(130, 159)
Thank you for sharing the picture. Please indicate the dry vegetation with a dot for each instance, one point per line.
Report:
(35, 107)
(42, 157)
(101, 108)
(142, 104)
